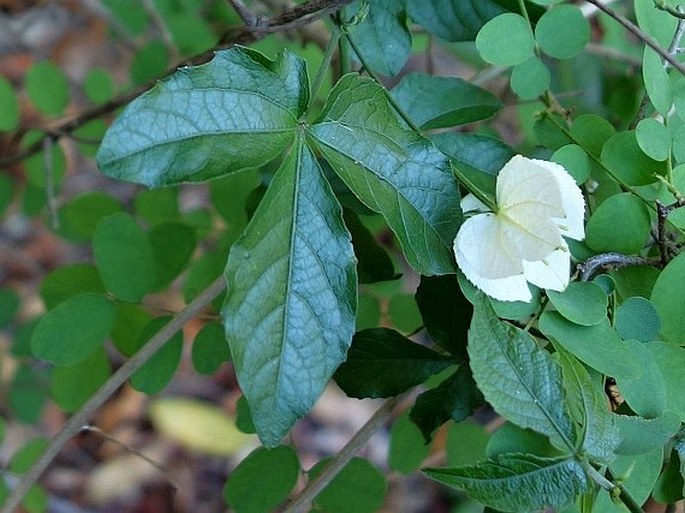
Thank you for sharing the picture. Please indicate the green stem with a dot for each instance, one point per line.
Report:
(611, 487)
(325, 62)
(524, 10)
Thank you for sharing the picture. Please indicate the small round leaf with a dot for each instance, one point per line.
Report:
(653, 138)
(124, 257)
(47, 87)
(583, 303)
(575, 161)
(262, 480)
(668, 297)
(210, 348)
(9, 113)
(530, 78)
(562, 31)
(73, 385)
(637, 319)
(514, 48)
(621, 224)
(359, 475)
(73, 330)
(624, 157)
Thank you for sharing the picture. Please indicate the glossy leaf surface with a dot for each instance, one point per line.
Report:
(239, 110)
(289, 313)
(392, 170)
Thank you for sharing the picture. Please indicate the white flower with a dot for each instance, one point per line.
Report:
(538, 203)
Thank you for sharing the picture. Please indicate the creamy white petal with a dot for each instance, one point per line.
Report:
(524, 181)
(572, 223)
(470, 203)
(552, 272)
(509, 288)
(481, 249)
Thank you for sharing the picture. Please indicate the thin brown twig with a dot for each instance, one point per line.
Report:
(641, 35)
(76, 422)
(301, 503)
(612, 260)
(290, 19)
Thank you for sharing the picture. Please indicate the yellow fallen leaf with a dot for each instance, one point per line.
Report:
(198, 426)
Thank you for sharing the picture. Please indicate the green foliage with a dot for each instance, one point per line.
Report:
(273, 472)
(331, 211)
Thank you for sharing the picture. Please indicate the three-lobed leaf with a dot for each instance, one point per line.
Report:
(239, 110)
(289, 313)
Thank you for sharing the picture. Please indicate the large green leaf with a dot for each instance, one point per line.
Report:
(383, 363)
(586, 398)
(639, 435)
(519, 379)
(292, 291)
(438, 102)
(518, 482)
(453, 20)
(383, 37)
(392, 170)
(240, 110)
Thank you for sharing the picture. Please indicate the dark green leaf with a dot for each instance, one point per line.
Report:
(646, 395)
(80, 216)
(466, 443)
(373, 263)
(383, 363)
(9, 116)
(173, 244)
(156, 373)
(511, 438)
(669, 486)
(359, 475)
(583, 303)
(476, 158)
(439, 102)
(392, 170)
(289, 312)
(638, 435)
(623, 156)
(585, 398)
(229, 195)
(518, 378)
(74, 329)
(453, 20)
(149, 62)
(28, 392)
(668, 297)
(455, 399)
(262, 480)
(124, 257)
(210, 348)
(9, 304)
(445, 312)
(637, 319)
(598, 346)
(240, 110)
(73, 385)
(621, 224)
(157, 205)
(518, 482)
(383, 37)
(407, 450)
(47, 87)
(671, 360)
(128, 327)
